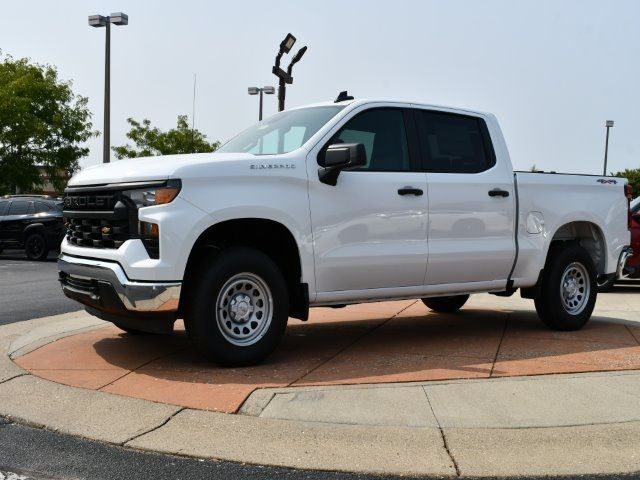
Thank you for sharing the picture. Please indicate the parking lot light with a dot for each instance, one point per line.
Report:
(97, 21)
(261, 91)
(285, 77)
(287, 44)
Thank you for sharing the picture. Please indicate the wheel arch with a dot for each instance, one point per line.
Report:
(33, 228)
(268, 236)
(589, 235)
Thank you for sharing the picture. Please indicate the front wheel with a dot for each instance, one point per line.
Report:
(35, 247)
(238, 308)
(446, 304)
(569, 289)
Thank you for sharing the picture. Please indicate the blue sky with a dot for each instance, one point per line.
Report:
(552, 71)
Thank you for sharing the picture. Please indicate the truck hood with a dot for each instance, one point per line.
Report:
(148, 168)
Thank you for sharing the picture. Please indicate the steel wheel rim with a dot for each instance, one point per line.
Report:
(575, 287)
(244, 309)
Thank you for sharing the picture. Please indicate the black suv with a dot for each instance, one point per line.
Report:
(32, 222)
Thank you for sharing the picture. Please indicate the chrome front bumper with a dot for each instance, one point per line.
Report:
(99, 284)
(622, 261)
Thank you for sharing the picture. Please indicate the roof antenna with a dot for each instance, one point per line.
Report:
(342, 97)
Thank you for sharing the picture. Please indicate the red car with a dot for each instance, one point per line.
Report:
(632, 267)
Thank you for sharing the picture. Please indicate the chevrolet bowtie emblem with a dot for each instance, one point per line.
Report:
(106, 230)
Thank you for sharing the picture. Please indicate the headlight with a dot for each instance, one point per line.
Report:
(146, 197)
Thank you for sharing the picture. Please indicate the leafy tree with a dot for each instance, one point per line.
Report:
(43, 126)
(151, 141)
(633, 175)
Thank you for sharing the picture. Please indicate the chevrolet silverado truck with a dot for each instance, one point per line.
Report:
(330, 205)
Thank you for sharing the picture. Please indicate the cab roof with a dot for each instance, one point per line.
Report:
(365, 101)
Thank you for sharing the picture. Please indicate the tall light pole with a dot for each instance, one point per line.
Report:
(285, 77)
(608, 124)
(97, 21)
(256, 91)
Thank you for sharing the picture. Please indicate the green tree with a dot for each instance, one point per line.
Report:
(150, 141)
(43, 126)
(633, 175)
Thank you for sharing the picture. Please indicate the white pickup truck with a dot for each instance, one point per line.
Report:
(330, 205)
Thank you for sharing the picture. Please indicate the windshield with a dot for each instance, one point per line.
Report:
(635, 205)
(281, 133)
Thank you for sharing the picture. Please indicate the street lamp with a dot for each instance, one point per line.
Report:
(98, 21)
(256, 91)
(608, 124)
(285, 77)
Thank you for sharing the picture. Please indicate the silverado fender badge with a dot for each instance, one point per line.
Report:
(270, 166)
(607, 180)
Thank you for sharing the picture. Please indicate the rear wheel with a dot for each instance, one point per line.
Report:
(569, 288)
(446, 304)
(35, 246)
(238, 308)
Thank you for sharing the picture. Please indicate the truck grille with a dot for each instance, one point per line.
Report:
(97, 233)
(103, 220)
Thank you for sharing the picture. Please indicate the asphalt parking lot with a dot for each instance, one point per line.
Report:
(30, 289)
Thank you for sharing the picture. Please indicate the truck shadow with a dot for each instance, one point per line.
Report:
(330, 350)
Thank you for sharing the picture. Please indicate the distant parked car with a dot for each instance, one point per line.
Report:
(632, 267)
(32, 222)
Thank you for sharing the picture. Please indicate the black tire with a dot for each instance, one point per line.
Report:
(606, 283)
(35, 246)
(446, 304)
(573, 311)
(245, 336)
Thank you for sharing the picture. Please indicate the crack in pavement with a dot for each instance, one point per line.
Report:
(442, 435)
(167, 420)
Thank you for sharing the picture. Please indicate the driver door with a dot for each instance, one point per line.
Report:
(370, 229)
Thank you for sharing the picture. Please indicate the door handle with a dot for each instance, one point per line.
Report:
(410, 191)
(496, 192)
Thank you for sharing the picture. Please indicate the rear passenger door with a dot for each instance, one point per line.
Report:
(471, 200)
(16, 220)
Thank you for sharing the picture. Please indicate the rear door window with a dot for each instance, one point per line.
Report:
(41, 207)
(20, 207)
(4, 206)
(453, 143)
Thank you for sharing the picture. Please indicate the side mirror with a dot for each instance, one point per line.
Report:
(338, 157)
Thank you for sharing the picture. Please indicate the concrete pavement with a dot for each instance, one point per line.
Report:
(578, 423)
